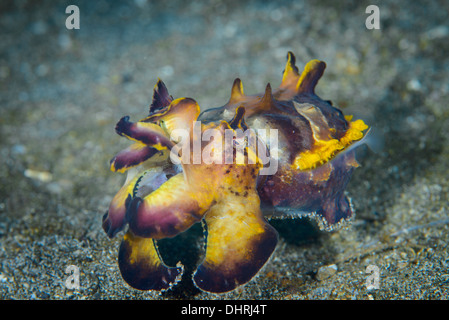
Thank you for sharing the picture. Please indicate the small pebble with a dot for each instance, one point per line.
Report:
(43, 176)
(326, 272)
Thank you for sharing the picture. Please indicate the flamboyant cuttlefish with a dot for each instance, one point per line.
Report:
(277, 154)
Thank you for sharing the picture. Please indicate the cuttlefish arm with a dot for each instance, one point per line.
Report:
(152, 135)
(114, 219)
(171, 209)
(136, 154)
(141, 266)
(239, 241)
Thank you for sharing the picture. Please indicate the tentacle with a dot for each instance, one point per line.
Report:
(136, 154)
(239, 243)
(141, 266)
(146, 133)
(173, 208)
(114, 219)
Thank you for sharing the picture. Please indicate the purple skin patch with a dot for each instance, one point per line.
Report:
(325, 198)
